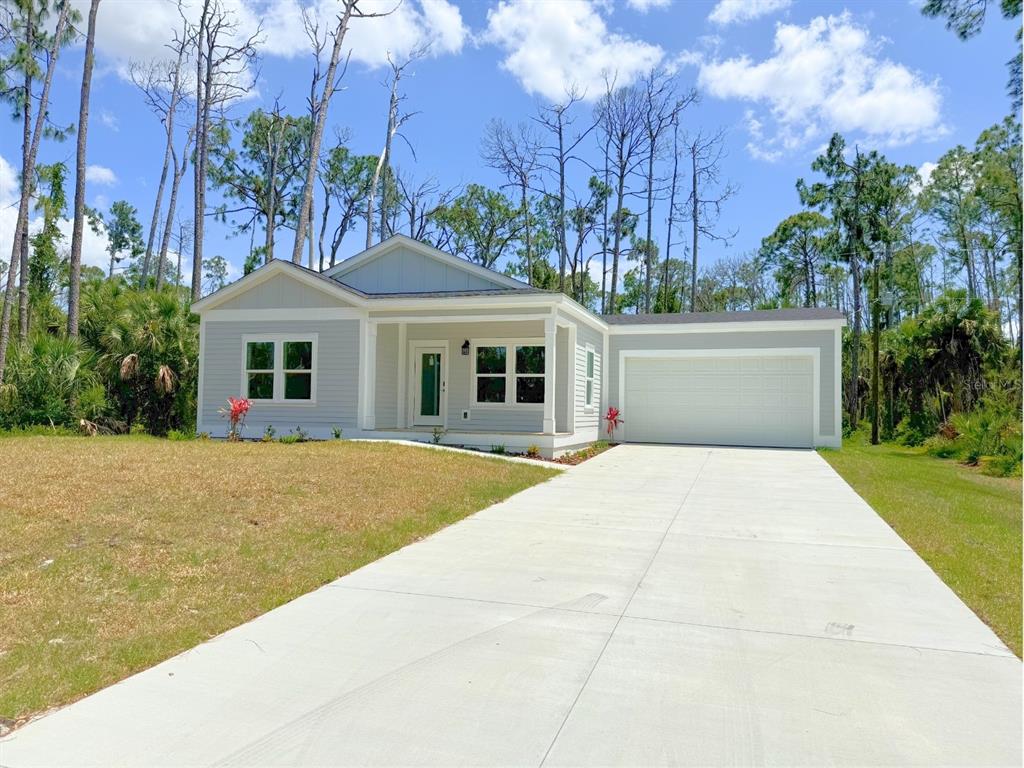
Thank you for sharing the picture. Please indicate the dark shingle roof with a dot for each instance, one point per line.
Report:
(739, 316)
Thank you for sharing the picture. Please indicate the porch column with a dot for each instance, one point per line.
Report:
(549, 375)
(369, 375)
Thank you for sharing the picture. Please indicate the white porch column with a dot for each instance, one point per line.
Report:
(369, 378)
(403, 375)
(550, 328)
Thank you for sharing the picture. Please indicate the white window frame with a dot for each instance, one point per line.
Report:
(510, 373)
(279, 340)
(589, 378)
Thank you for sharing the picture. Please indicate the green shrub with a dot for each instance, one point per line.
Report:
(941, 447)
(988, 430)
(533, 451)
(290, 439)
(179, 435)
(268, 434)
(914, 429)
(499, 449)
(336, 432)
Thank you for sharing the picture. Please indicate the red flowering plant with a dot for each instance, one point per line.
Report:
(613, 419)
(236, 410)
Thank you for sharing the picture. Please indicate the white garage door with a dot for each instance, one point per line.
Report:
(751, 400)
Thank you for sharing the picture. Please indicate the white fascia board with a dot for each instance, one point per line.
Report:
(264, 273)
(423, 249)
(736, 326)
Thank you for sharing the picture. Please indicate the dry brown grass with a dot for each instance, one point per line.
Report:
(116, 553)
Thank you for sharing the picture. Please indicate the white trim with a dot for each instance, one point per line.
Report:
(812, 352)
(371, 374)
(836, 441)
(267, 271)
(399, 240)
(363, 386)
(588, 350)
(415, 346)
(737, 326)
(550, 354)
(279, 371)
(602, 403)
(401, 373)
(284, 315)
(477, 318)
(571, 350)
(510, 345)
(202, 373)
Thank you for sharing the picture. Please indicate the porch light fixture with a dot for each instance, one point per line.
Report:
(465, 347)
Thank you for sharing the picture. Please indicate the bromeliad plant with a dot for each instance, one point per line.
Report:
(613, 419)
(238, 408)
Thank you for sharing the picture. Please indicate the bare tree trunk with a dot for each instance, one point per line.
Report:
(306, 204)
(620, 193)
(19, 247)
(604, 234)
(179, 172)
(696, 230)
(203, 90)
(78, 228)
(671, 211)
(172, 109)
(648, 263)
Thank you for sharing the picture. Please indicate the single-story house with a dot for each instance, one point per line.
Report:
(403, 340)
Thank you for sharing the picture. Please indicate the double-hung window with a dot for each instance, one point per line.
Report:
(590, 377)
(508, 373)
(280, 368)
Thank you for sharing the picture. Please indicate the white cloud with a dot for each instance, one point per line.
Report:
(924, 175)
(824, 77)
(645, 5)
(109, 119)
(94, 246)
(124, 37)
(553, 46)
(732, 11)
(98, 174)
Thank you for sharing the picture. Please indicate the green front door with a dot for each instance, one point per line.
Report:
(429, 385)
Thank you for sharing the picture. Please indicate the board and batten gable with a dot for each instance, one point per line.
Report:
(403, 270)
(282, 292)
(693, 340)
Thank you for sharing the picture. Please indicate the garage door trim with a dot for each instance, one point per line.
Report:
(812, 352)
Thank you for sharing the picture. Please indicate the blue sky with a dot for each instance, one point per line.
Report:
(779, 76)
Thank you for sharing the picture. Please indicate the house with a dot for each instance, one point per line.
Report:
(403, 340)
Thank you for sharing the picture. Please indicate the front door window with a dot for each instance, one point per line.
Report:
(428, 385)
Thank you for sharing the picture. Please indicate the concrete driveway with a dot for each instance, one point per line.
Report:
(657, 605)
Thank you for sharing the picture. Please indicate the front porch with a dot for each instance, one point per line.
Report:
(478, 380)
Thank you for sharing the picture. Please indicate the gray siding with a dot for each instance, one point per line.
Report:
(282, 292)
(588, 418)
(386, 390)
(824, 340)
(405, 271)
(336, 371)
(503, 419)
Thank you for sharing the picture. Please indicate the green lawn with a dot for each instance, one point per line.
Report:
(116, 553)
(965, 525)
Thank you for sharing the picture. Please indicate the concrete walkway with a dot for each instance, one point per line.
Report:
(654, 606)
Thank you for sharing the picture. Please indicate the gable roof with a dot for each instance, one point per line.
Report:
(277, 267)
(732, 316)
(404, 241)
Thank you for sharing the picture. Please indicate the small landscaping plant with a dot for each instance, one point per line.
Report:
(236, 411)
(268, 434)
(336, 433)
(499, 449)
(533, 451)
(437, 434)
(613, 419)
(180, 435)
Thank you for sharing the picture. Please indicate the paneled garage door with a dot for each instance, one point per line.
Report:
(750, 400)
